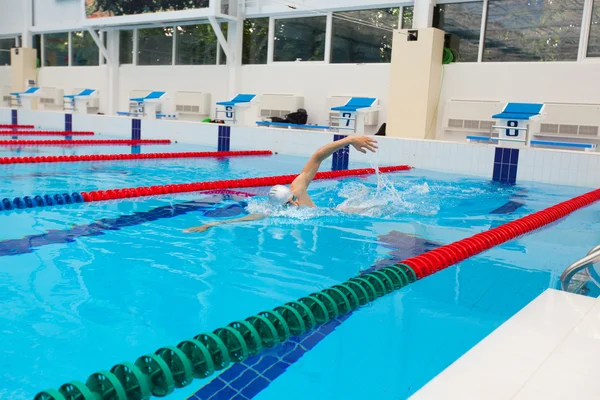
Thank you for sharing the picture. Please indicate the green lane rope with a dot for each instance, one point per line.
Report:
(172, 367)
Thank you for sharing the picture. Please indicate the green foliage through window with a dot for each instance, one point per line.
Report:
(256, 41)
(56, 49)
(363, 36)
(300, 39)
(463, 20)
(155, 46)
(84, 49)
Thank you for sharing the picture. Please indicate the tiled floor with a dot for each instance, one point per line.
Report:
(549, 350)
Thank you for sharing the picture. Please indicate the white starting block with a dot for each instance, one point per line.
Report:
(241, 110)
(25, 99)
(147, 106)
(513, 123)
(353, 115)
(83, 101)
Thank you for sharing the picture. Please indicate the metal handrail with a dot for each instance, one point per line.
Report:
(585, 263)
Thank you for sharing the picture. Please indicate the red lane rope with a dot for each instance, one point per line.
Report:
(16, 126)
(112, 157)
(79, 142)
(100, 195)
(436, 260)
(46, 133)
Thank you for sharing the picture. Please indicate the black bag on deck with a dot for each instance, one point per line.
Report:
(299, 117)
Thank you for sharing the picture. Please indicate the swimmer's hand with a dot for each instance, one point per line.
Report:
(204, 228)
(363, 143)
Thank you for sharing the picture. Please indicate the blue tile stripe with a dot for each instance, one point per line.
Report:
(14, 117)
(247, 379)
(224, 138)
(213, 209)
(136, 129)
(506, 162)
(341, 158)
(68, 122)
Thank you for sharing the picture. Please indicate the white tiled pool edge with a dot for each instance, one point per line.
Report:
(539, 165)
(548, 350)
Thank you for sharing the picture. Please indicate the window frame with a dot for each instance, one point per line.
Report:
(15, 39)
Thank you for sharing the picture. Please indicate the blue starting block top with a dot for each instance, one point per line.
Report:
(240, 98)
(482, 138)
(295, 126)
(83, 93)
(520, 111)
(356, 103)
(149, 96)
(31, 90)
(564, 144)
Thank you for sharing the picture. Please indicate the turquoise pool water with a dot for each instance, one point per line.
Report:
(86, 286)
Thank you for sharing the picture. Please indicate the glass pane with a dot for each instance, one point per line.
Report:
(222, 56)
(56, 49)
(36, 43)
(112, 8)
(300, 39)
(533, 30)
(5, 46)
(594, 42)
(463, 20)
(126, 47)
(155, 46)
(85, 51)
(363, 36)
(196, 45)
(256, 41)
(407, 17)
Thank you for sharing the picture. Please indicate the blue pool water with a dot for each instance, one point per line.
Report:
(86, 286)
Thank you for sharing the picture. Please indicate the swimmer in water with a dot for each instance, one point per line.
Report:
(296, 194)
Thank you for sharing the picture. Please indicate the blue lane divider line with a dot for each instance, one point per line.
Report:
(213, 209)
(508, 208)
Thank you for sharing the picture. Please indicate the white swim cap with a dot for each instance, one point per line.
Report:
(279, 194)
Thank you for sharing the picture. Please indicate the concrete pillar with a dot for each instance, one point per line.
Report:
(423, 13)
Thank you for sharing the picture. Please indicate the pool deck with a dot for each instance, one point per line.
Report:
(548, 350)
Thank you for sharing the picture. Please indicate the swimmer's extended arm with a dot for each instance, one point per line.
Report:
(203, 228)
(360, 143)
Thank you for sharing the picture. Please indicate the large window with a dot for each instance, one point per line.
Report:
(155, 46)
(533, 30)
(463, 20)
(126, 47)
(300, 39)
(196, 45)
(407, 17)
(363, 36)
(5, 46)
(594, 42)
(84, 49)
(256, 41)
(56, 49)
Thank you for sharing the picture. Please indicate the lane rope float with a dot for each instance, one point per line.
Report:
(112, 142)
(170, 367)
(113, 157)
(16, 126)
(127, 193)
(46, 133)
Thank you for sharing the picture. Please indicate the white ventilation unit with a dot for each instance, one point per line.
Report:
(469, 117)
(192, 106)
(279, 105)
(51, 99)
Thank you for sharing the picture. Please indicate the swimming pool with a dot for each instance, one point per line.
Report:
(86, 286)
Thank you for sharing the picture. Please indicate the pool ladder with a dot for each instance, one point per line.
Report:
(582, 272)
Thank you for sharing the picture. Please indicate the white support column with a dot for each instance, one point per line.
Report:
(585, 29)
(423, 14)
(271, 40)
(221, 38)
(26, 40)
(174, 49)
(235, 34)
(329, 34)
(482, 31)
(134, 58)
(112, 66)
(70, 48)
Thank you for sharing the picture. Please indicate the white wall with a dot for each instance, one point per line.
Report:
(316, 82)
(202, 78)
(308, 6)
(11, 17)
(69, 78)
(570, 82)
(57, 15)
